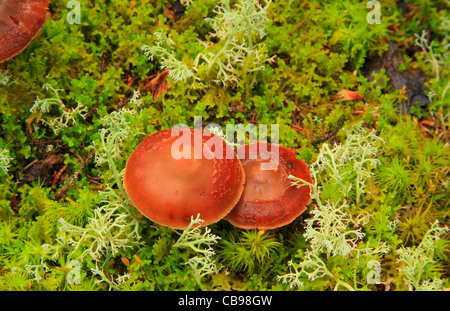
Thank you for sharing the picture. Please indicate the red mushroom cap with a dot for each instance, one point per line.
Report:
(269, 201)
(169, 190)
(20, 22)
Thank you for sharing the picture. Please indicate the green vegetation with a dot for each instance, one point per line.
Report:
(77, 102)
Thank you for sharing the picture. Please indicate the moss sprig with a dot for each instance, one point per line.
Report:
(251, 252)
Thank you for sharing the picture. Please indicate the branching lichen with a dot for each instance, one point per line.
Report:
(345, 165)
(5, 160)
(435, 59)
(328, 230)
(201, 243)
(415, 261)
(114, 226)
(113, 283)
(235, 28)
(333, 230)
(163, 50)
(106, 233)
(67, 116)
(440, 63)
(5, 78)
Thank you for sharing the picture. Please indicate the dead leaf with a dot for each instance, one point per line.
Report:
(413, 81)
(428, 123)
(43, 170)
(169, 13)
(158, 85)
(348, 95)
(174, 11)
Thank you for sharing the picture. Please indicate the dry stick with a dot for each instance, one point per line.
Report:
(95, 107)
(63, 191)
(331, 133)
(41, 143)
(57, 176)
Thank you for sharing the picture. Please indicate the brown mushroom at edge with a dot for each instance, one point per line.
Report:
(20, 22)
(269, 201)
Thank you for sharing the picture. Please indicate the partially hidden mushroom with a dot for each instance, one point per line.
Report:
(269, 201)
(20, 22)
(174, 175)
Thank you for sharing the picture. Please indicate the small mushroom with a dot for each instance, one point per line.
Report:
(20, 22)
(269, 201)
(169, 189)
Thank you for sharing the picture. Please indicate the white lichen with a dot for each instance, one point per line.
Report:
(66, 116)
(414, 260)
(200, 240)
(5, 160)
(238, 29)
(333, 230)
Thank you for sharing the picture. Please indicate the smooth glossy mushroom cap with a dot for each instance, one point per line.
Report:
(169, 191)
(269, 201)
(20, 22)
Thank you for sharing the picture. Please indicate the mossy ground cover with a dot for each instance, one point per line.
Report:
(70, 117)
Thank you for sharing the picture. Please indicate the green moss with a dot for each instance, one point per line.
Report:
(252, 252)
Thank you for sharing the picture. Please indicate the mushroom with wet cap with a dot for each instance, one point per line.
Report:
(20, 22)
(269, 201)
(168, 188)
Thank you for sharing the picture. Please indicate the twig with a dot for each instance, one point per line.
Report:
(57, 175)
(330, 134)
(41, 144)
(377, 155)
(61, 193)
(95, 107)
